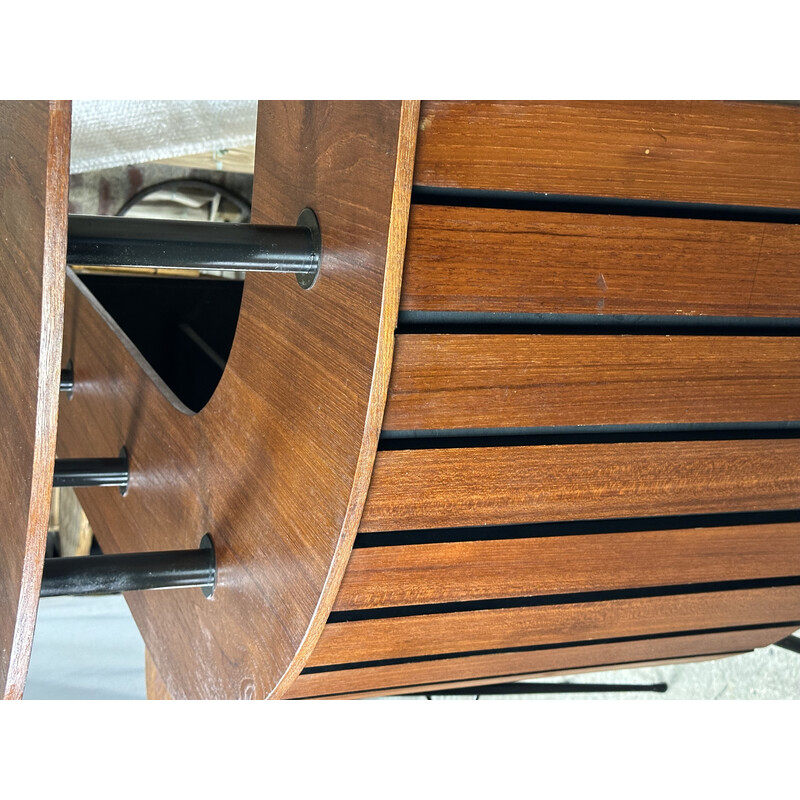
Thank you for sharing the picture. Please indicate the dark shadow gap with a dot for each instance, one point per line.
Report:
(389, 662)
(542, 530)
(571, 598)
(183, 327)
(579, 204)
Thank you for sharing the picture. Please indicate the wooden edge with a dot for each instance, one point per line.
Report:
(52, 328)
(156, 688)
(395, 253)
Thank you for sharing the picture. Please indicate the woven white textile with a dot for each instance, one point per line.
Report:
(114, 133)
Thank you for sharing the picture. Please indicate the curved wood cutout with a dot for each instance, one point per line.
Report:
(276, 466)
(34, 177)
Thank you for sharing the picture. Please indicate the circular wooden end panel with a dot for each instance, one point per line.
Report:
(34, 180)
(277, 465)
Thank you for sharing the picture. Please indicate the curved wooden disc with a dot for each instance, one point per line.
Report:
(277, 465)
(34, 179)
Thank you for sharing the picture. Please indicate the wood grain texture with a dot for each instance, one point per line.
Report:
(378, 577)
(692, 151)
(34, 175)
(413, 489)
(156, 688)
(434, 687)
(501, 667)
(495, 260)
(509, 380)
(276, 466)
(496, 629)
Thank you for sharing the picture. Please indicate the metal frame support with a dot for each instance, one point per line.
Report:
(180, 244)
(109, 574)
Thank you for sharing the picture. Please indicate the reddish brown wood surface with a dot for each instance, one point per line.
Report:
(156, 688)
(510, 380)
(34, 175)
(693, 151)
(434, 687)
(503, 667)
(495, 629)
(505, 485)
(464, 571)
(494, 260)
(276, 466)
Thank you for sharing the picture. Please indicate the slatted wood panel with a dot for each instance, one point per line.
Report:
(413, 489)
(495, 629)
(34, 173)
(514, 666)
(449, 572)
(499, 260)
(702, 152)
(510, 380)
(435, 687)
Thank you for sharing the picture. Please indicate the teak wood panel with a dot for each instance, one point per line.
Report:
(702, 152)
(448, 572)
(34, 175)
(497, 629)
(510, 666)
(455, 487)
(435, 687)
(512, 380)
(276, 466)
(495, 260)
(428, 688)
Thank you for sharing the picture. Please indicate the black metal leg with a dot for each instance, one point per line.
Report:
(547, 688)
(790, 643)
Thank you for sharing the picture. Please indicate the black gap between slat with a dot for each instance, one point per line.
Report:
(572, 528)
(484, 323)
(586, 204)
(571, 598)
(531, 675)
(389, 662)
(496, 437)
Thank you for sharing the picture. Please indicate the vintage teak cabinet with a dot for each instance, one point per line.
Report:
(538, 413)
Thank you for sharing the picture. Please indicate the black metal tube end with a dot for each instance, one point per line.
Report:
(67, 382)
(85, 472)
(128, 572)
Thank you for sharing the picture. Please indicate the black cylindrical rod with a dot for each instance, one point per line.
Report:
(67, 383)
(78, 472)
(108, 574)
(180, 244)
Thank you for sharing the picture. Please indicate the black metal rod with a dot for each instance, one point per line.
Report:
(79, 472)
(790, 643)
(109, 574)
(180, 244)
(67, 383)
(548, 688)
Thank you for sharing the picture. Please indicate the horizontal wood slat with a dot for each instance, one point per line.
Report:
(510, 380)
(495, 629)
(494, 260)
(702, 152)
(444, 488)
(436, 687)
(499, 666)
(449, 572)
